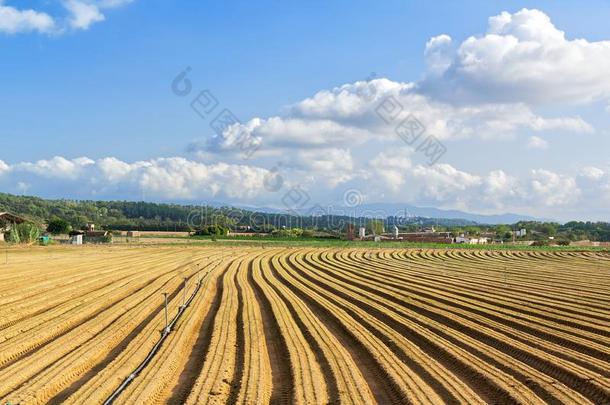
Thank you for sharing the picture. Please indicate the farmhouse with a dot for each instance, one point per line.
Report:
(7, 221)
(471, 241)
(426, 237)
(89, 236)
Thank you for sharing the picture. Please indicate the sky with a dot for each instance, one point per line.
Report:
(483, 106)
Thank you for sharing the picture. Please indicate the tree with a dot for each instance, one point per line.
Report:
(24, 233)
(548, 229)
(375, 226)
(503, 232)
(58, 226)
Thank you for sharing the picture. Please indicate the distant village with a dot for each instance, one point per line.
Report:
(17, 229)
(430, 235)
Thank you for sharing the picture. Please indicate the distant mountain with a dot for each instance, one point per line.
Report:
(401, 210)
(152, 216)
(384, 210)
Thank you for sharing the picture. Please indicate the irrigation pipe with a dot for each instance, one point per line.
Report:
(154, 350)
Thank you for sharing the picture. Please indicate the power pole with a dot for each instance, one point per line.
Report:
(166, 321)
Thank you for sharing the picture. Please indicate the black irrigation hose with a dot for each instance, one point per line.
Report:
(153, 351)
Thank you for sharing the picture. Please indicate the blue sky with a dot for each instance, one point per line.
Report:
(92, 79)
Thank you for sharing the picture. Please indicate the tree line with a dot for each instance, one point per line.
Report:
(146, 216)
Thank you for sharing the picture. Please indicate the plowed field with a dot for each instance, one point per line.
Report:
(305, 326)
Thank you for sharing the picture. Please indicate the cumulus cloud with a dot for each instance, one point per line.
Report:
(553, 189)
(486, 88)
(13, 20)
(57, 167)
(353, 114)
(4, 168)
(593, 173)
(81, 14)
(165, 178)
(333, 166)
(392, 174)
(539, 192)
(536, 142)
(523, 57)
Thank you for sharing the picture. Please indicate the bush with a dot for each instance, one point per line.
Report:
(541, 243)
(287, 233)
(215, 230)
(308, 234)
(58, 226)
(24, 233)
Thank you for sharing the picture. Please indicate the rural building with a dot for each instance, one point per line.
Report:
(76, 239)
(80, 237)
(7, 221)
(520, 233)
(96, 236)
(427, 237)
(350, 231)
(471, 241)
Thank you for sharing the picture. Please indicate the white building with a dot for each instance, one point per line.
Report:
(462, 239)
(471, 241)
(362, 232)
(521, 232)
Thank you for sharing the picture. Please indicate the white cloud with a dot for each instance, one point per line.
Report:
(523, 57)
(536, 142)
(347, 116)
(391, 174)
(14, 21)
(333, 166)
(57, 167)
(540, 192)
(592, 173)
(4, 168)
(552, 189)
(166, 178)
(438, 53)
(83, 14)
(181, 178)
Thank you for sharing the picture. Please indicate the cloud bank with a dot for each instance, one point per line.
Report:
(391, 174)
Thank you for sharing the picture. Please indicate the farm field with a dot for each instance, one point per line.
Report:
(305, 325)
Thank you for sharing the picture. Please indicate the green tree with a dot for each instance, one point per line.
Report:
(375, 226)
(548, 229)
(58, 226)
(24, 233)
